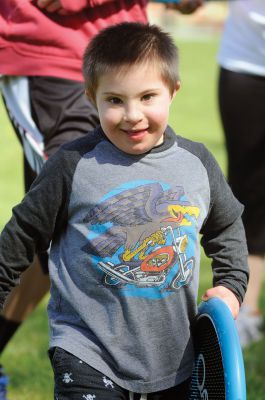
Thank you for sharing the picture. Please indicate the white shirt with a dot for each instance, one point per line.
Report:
(242, 46)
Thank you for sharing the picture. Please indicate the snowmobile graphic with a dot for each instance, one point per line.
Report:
(154, 269)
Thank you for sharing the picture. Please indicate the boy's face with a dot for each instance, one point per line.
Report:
(133, 105)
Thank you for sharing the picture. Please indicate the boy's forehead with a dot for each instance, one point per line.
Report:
(120, 75)
(142, 66)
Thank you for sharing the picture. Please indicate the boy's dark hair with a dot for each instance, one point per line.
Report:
(130, 43)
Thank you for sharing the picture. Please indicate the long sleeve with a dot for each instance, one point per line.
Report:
(223, 234)
(228, 250)
(32, 225)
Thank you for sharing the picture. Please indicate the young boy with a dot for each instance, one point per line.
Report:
(122, 210)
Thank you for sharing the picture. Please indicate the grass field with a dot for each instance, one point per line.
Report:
(194, 114)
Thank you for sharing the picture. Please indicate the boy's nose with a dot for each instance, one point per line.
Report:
(132, 114)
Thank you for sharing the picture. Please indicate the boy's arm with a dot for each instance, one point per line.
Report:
(223, 240)
(33, 224)
(228, 251)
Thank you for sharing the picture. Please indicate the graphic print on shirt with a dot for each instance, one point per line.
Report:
(142, 237)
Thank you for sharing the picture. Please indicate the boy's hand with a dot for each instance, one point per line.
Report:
(226, 295)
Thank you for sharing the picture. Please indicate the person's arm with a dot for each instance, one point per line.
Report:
(33, 224)
(223, 240)
(68, 6)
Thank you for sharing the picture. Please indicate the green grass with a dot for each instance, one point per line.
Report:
(194, 114)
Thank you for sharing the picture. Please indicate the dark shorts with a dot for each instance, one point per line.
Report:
(75, 380)
(62, 113)
(241, 100)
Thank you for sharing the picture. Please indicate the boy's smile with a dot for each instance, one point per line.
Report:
(133, 104)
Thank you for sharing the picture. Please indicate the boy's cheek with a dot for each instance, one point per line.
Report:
(108, 116)
(159, 114)
(112, 114)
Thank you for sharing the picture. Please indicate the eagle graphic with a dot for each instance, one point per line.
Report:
(137, 221)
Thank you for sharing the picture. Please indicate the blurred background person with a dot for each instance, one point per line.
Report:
(241, 99)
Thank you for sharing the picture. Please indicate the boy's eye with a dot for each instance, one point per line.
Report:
(114, 100)
(148, 96)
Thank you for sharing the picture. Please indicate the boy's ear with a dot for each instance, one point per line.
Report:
(178, 85)
(90, 96)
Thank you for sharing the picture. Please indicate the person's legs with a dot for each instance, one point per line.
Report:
(75, 380)
(256, 269)
(61, 111)
(250, 320)
(23, 299)
(34, 283)
(241, 100)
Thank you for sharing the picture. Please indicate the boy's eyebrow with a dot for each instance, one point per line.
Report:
(111, 93)
(141, 93)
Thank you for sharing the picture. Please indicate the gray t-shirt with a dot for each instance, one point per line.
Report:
(125, 252)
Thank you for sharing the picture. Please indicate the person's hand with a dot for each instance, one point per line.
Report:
(186, 6)
(226, 295)
(52, 6)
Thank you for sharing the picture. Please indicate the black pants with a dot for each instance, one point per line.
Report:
(76, 380)
(242, 109)
(61, 112)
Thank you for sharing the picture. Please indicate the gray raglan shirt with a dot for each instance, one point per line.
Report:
(123, 232)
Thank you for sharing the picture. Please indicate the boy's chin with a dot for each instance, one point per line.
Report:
(141, 148)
